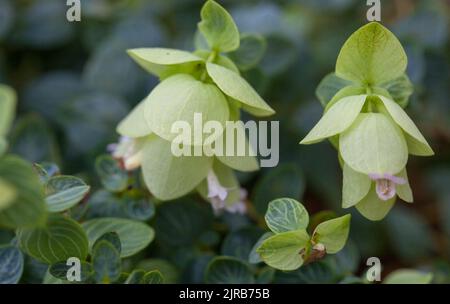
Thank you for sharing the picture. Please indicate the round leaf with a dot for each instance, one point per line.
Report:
(333, 233)
(408, 276)
(64, 192)
(60, 239)
(134, 236)
(283, 251)
(286, 214)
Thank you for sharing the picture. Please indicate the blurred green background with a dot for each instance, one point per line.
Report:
(75, 83)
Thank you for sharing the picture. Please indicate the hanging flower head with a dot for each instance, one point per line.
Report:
(367, 124)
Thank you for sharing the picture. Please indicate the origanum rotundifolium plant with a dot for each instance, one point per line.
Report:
(364, 119)
(289, 245)
(205, 81)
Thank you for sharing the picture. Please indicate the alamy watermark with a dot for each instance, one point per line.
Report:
(73, 13)
(374, 12)
(234, 138)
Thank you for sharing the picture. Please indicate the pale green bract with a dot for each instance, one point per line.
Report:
(286, 214)
(371, 56)
(218, 28)
(374, 144)
(284, 250)
(372, 208)
(355, 186)
(238, 88)
(179, 98)
(167, 176)
(165, 62)
(134, 124)
(246, 161)
(404, 191)
(333, 233)
(337, 119)
(417, 144)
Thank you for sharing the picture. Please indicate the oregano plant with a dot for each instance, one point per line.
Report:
(365, 120)
(205, 82)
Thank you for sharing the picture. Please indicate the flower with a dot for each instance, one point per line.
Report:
(386, 184)
(128, 151)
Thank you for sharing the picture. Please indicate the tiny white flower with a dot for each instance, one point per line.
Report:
(218, 194)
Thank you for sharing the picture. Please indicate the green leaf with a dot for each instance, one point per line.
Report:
(112, 238)
(46, 170)
(374, 209)
(333, 233)
(374, 144)
(400, 89)
(134, 124)
(164, 62)
(28, 208)
(337, 119)
(106, 262)
(355, 187)
(135, 277)
(169, 272)
(64, 192)
(283, 251)
(182, 222)
(218, 28)
(9, 194)
(179, 98)
(60, 239)
(329, 87)
(112, 176)
(3, 145)
(7, 109)
(227, 270)
(371, 56)
(239, 89)
(286, 214)
(251, 50)
(60, 270)
(153, 277)
(134, 236)
(417, 144)
(254, 257)
(408, 276)
(176, 176)
(11, 265)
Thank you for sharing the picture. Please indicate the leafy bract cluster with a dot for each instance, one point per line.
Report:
(365, 121)
(289, 245)
(207, 82)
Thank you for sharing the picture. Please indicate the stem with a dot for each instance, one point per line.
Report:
(211, 58)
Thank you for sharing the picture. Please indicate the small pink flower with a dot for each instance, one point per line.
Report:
(386, 185)
(127, 151)
(215, 189)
